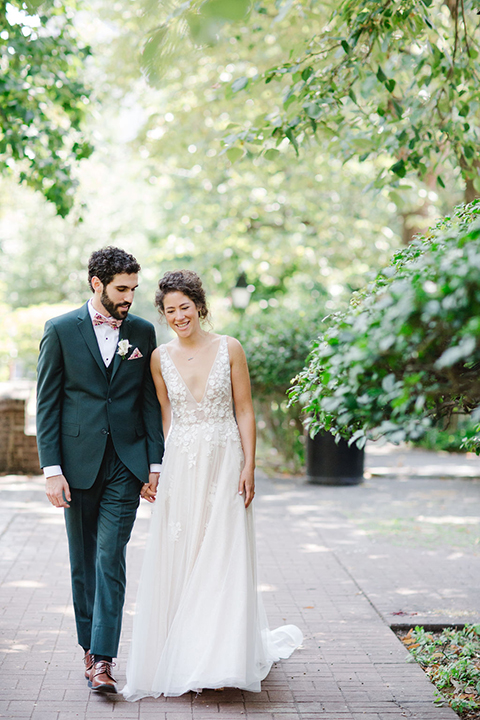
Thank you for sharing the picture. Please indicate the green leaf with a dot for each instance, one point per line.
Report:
(235, 153)
(381, 75)
(352, 95)
(399, 169)
(313, 110)
(232, 10)
(82, 150)
(362, 144)
(271, 154)
(33, 5)
(356, 435)
(345, 46)
(306, 73)
(239, 84)
(361, 442)
(290, 99)
(292, 138)
(398, 108)
(388, 383)
(153, 53)
(459, 352)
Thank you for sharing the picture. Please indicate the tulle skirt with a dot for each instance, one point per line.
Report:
(199, 620)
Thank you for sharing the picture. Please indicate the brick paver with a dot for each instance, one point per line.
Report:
(325, 564)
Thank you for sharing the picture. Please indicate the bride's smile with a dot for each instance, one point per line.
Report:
(182, 315)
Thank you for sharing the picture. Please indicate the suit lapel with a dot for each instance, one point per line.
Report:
(86, 328)
(124, 334)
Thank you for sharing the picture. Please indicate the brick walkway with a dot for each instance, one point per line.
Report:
(327, 564)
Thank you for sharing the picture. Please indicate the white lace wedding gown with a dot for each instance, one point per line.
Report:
(199, 620)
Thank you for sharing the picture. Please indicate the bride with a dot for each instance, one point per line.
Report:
(199, 619)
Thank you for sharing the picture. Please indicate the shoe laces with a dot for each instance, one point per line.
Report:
(103, 666)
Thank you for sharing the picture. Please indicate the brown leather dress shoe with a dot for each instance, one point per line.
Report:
(101, 678)
(89, 661)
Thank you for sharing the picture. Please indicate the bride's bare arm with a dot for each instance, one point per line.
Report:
(161, 390)
(242, 397)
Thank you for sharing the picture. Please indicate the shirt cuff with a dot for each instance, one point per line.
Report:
(51, 470)
(155, 467)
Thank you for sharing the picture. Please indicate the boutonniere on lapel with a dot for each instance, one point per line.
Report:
(123, 348)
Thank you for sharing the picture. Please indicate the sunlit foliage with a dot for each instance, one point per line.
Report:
(42, 98)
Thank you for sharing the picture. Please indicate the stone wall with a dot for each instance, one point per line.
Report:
(18, 451)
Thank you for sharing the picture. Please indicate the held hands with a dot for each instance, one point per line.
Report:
(58, 491)
(149, 490)
(246, 486)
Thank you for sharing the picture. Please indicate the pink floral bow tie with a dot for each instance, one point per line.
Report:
(100, 320)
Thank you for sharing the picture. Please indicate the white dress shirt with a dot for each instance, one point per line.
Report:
(107, 339)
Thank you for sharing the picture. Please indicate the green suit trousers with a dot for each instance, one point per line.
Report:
(99, 523)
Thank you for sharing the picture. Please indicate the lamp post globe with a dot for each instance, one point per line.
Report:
(240, 293)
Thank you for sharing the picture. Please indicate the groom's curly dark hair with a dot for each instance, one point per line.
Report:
(108, 262)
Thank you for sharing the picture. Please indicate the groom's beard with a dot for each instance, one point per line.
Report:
(116, 310)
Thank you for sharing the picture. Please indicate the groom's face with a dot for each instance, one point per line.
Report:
(117, 296)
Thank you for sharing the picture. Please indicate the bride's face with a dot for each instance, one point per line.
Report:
(181, 313)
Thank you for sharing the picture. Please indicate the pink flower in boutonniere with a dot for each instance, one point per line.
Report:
(123, 348)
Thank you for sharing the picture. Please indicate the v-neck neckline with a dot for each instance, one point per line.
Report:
(198, 402)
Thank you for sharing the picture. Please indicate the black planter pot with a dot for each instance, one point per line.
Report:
(329, 463)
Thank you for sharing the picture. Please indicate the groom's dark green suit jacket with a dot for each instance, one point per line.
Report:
(77, 404)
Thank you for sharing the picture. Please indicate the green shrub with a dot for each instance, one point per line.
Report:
(277, 343)
(447, 440)
(407, 352)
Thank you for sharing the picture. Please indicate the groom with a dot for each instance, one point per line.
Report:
(100, 443)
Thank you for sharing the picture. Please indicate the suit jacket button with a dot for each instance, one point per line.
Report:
(104, 432)
(109, 400)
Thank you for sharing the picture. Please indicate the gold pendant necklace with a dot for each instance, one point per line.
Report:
(195, 353)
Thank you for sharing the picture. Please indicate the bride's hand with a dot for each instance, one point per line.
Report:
(149, 490)
(246, 486)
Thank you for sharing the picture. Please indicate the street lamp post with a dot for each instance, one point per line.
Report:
(241, 293)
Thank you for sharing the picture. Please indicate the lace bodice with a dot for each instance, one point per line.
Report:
(213, 415)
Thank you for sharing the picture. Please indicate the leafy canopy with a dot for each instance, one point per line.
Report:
(397, 79)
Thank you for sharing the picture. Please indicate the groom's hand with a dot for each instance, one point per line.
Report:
(58, 491)
(149, 490)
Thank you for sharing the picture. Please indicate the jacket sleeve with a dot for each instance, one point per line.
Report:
(50, 371)
(152, 414)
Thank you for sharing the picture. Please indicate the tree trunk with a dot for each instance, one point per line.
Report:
(470, 192)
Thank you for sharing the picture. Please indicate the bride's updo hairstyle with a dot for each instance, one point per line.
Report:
(186, 282)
